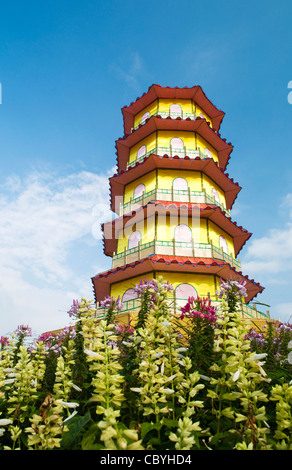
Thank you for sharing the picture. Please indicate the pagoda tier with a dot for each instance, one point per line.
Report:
(155, 124)
(185, 268)
(172, 197)
(155, 162)
(112, 229)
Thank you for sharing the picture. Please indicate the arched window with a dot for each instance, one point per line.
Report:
(176, 143)
(208, 153)
(184, 291)
(215, 194)
(141, 151)
(144, 117)
(223, 244)
(139, 190)
(180, 184)
(134, 239)
(130, 294)
(183, 233)
(175, 111)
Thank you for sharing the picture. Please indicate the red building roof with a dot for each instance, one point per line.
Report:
(155, 92)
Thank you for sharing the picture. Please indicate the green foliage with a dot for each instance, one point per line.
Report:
(202, 381)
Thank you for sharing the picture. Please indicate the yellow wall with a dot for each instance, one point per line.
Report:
(163, 105)
(208, 184)
(120, 288)
(203, 283)
(150, 143)
(215, 232)
(149, 180)
(166, 177)
(164, 138)
(203, 231)
(202, 144)
(196, 182)
(151, 108)
(200, 111)
(186, 105)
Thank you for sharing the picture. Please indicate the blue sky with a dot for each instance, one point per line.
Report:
(67, 69)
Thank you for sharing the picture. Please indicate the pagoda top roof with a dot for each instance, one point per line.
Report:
(102, 281)
(154, 123)
(156, 91)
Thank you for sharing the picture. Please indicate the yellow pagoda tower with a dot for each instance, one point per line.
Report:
(172, 199)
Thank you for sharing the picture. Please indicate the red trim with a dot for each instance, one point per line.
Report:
(155, 123)
(155, 91)
(102, 282)
(208, 166)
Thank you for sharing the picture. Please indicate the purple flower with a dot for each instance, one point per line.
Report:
(74, 310)
(23, 330)
(112, 303)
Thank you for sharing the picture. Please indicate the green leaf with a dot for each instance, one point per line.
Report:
(75, 426)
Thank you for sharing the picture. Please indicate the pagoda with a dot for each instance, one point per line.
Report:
(172, 198)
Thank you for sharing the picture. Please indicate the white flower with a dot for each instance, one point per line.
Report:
(166, 323)
(69, 404)
(236, 375)
(70, 416)
(170, 378)
(5, 422)
(77, 388)
(255, 357)
(138, 390)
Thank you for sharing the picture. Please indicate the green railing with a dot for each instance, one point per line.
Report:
(133, 306)
(173, 248)
(178, 195)
(171, 151)
(165, 114)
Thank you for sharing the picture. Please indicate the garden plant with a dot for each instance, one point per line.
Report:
(202, 380)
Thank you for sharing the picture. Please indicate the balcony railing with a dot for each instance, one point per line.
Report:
(173, 248)
(132, 307)
(171, 151)
(172, 195)
(171, 114)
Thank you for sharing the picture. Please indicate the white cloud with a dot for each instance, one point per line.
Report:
(273, 253)
(43, 218)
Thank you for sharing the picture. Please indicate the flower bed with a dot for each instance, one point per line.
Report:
(201, 381)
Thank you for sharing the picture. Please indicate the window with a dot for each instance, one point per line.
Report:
(183, 233)
(184, 291)
(141, 151)
(175, 111)
(144, 117)
(139, 190)
(177, 143)
(208, 154)
(180, 184)
(223, 244)
(215, 194)
(130, 294)
(134, 239)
